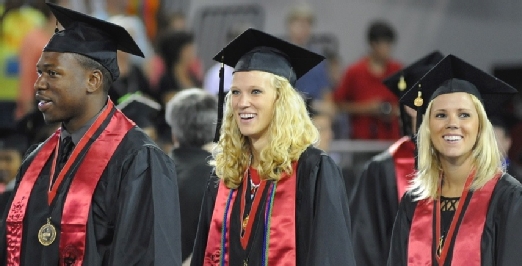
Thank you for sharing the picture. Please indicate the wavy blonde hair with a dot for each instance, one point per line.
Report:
(290, 133)
(487, 158)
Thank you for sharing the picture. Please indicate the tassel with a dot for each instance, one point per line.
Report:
(221, 99)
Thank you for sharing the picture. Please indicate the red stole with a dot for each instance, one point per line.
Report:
(79, 196)
(281, 238)
(469, 233)
(402, 152)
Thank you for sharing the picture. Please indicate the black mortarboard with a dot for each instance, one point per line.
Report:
(256, 50)
(91, 37)
(139, 109)
(404, 79)
(453, 74)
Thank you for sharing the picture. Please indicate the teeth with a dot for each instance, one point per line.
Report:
(246, 115)
(452, 138)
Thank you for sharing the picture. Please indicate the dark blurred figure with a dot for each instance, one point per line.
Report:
(143, 111)
(372, 107)
(192, 115)
(177, 49)
(502, 134)
(12, 148)
(132, 77)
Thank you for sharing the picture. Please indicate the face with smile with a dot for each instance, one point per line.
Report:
(253, 102)
(61, 89)
(454, 126)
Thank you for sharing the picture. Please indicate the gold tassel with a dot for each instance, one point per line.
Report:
(402, 84)
(418, 101)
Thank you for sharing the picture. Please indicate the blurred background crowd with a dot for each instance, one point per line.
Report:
(363, 42)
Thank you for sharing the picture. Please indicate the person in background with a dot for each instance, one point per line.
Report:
(12, 147)
(132, 77)
(178, 52)
(315, 84)
(462, 207)
(30, 51)
(17, 19)
(177, 49)
(98, 191)
(375, 194)
(171, 22)
(372, 108)
(191, 115)
(273, 198)
(503, 137)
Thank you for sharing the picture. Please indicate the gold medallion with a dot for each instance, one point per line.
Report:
(47, 233)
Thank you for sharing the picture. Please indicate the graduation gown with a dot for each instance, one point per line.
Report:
(322, 218)
(133, 217)
(193, 172)
(502, 232)
(373, 205)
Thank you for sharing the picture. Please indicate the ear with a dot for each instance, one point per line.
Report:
(94, 81)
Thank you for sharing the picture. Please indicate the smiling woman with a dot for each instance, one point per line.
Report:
(273, 198)
(460, 189)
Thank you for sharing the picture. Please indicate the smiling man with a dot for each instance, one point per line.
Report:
(98, 191)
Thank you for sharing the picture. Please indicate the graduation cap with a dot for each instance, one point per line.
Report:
(256, 50)
(451, 75)
(404, 79)
(139, 109)
(90, 37)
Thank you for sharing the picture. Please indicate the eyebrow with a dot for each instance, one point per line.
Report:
(459, 109)
(46, 65)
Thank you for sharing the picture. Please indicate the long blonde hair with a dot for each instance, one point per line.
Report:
(290, 133)
(486, 156)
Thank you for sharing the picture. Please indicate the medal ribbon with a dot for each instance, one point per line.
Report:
(253, 210)
(449, 237)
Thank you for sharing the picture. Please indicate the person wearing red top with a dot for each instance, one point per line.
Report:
(373, 109)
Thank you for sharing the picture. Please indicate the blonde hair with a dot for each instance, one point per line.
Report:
(487, 158)
(290, 133)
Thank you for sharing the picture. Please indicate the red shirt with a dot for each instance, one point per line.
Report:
(360, 85)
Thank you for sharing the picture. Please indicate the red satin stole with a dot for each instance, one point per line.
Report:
(79, 196)
(466, 248)
(282, 238)
(403, 152)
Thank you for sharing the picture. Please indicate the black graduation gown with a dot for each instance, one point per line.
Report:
(322, 217)
(134, 213)
(373, 205)
(500, 242)
(193, 172)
